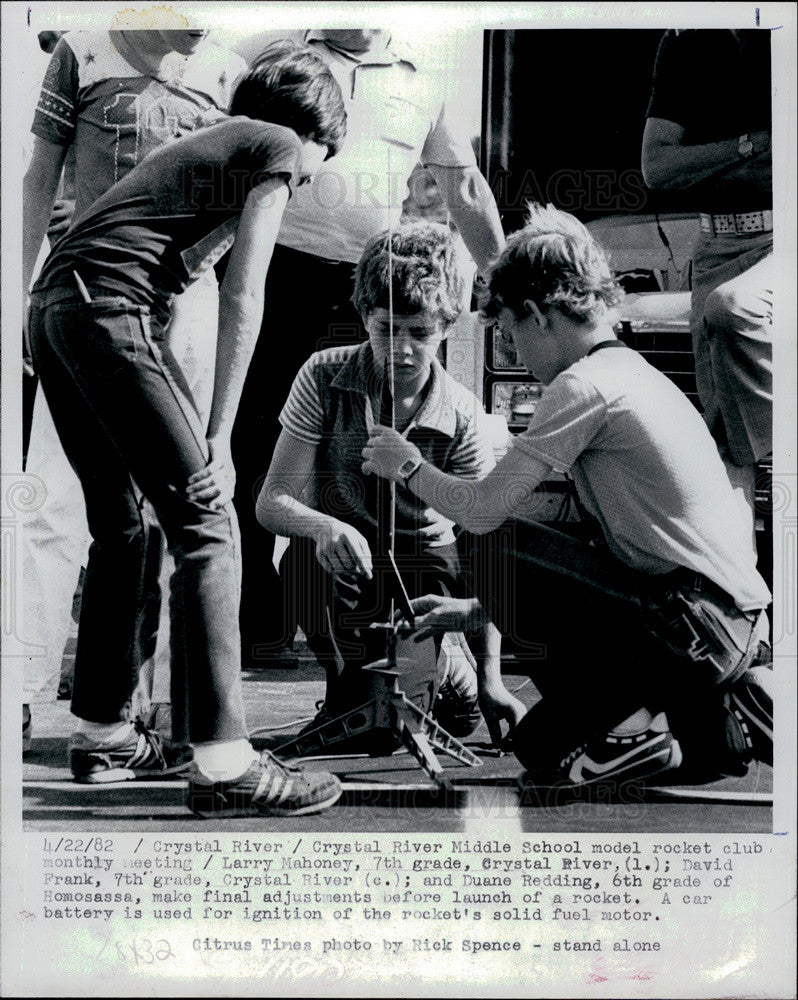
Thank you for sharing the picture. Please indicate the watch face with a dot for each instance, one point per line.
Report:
(407, 467)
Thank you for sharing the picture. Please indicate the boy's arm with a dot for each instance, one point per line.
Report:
(240, 315)
(495, 700)
(340, 548)
(39, 189)
(241, 304)
(479, 506)
(435, 615)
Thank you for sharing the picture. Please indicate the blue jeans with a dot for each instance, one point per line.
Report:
(129, 426)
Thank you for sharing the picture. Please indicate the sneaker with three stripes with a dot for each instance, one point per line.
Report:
(144, 754)
(267, 788)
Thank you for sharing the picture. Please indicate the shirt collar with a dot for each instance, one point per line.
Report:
(393, 51)
(436, 412)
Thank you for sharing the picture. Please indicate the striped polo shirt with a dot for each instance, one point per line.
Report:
(330, 405)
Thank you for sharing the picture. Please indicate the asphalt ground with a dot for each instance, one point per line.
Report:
(382, 794)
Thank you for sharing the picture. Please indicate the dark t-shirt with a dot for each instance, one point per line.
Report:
(173, 215)
(716, 85)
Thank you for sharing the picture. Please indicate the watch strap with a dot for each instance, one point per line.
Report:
(413, 471)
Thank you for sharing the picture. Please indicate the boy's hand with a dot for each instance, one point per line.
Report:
(386, 453)
(498, 705)
(214, 485)
(341, 549)
(61, 218)
(435, 615)
(437, 528)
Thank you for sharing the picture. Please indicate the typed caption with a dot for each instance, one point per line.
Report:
(304, 909)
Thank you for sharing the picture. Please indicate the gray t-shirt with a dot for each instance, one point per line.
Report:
(646, 467)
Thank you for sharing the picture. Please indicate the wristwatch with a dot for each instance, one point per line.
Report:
(409, 468)
(744, 146)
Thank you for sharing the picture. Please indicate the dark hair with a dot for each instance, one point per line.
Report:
(427, 272)
(289, 85)
(556, 263)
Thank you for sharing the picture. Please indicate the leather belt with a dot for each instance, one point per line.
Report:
(737, 224)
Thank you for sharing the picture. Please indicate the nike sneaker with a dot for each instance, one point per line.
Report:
(613, 760)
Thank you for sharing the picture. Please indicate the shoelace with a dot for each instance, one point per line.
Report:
(572, 756)
(286, 769)
(152, 739)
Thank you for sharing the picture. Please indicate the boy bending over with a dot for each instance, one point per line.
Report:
(125, 415)
(656, 624)
(316, 493)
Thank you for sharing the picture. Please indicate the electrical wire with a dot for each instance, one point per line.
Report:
(667, 243)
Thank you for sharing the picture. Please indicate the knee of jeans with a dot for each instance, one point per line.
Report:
(199, 523)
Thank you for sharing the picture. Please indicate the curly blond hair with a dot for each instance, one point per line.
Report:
(427, 272)
(554, 262)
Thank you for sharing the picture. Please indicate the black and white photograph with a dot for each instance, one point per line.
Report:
(399, 500)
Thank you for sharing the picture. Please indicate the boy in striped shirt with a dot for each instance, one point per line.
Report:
(316, 493)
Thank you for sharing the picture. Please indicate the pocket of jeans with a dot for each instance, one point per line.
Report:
(106, 340)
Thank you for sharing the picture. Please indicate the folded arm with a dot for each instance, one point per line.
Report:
(670, 164)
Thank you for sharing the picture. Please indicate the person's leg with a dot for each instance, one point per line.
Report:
(739, 328)
(334, 615)
(731, 324)
(739, 319)
(577, 612)
(307, 597)
(54, 545)
(306, 309)
(191, 336)
(436, 570)
(128, 412)
(134, 413)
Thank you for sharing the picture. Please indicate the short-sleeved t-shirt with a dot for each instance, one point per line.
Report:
(645, 465)
(716, 85)
(174, 214)
(396, 117)
(113, 115)
(329, 406)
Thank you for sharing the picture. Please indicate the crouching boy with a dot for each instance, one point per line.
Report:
(650, 632)
(409, 289)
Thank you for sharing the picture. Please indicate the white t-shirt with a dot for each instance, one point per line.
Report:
(646, 467)
(396, 117)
